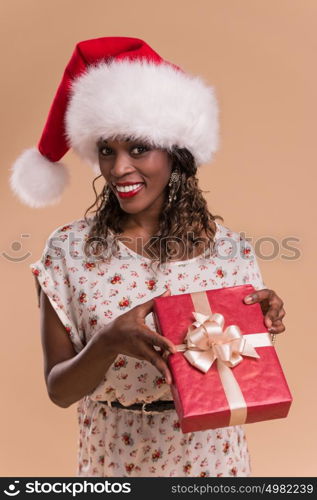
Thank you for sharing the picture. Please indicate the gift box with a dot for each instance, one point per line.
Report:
(226, 371)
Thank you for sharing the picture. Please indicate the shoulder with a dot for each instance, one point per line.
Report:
(232, 241)
(71, 233)
(67, 239)
(73, 241)
(226, 233)
(77, 226)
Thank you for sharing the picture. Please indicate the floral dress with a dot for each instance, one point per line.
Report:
(86, 294)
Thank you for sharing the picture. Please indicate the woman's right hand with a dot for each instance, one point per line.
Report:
(129, 335)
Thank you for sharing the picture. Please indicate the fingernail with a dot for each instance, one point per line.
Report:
(272, 330)
(248, 299)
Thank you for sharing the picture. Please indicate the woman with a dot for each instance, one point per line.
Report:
(145, 125)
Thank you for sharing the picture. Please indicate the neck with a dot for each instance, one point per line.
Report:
(146, 224)
(146, 221)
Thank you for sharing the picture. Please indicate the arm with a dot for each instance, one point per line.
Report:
(70, 376)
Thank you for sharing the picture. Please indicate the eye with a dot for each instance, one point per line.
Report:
(136, 150)
(140, 149)
(104, 150)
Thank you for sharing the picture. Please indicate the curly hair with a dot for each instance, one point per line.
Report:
(181, 220)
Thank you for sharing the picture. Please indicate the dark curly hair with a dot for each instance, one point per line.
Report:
(181, 220)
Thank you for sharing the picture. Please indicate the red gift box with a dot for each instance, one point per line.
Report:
(253, 390)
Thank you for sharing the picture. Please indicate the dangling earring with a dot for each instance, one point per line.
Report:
(106, 195)
(174, 184)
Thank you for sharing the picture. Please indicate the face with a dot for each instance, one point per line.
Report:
(142, 169)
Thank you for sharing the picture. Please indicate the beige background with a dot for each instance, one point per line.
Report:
(261, 58)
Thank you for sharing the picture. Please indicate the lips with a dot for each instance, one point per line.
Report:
(128, 194)
(127, 183)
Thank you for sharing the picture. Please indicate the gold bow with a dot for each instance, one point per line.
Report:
(206, 341)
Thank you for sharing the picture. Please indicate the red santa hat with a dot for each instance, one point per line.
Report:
(116, 87)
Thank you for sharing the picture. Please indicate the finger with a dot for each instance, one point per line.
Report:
(165, 355)
(277, 327)
(154, 338)
(156, 360)
(145, 308)
(277, 323)
(264, 294)
(275, 299)
(281, 314)
(271, 322)
(272, 315)
(257, 296)
(275, 309)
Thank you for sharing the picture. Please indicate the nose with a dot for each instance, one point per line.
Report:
(121, 165)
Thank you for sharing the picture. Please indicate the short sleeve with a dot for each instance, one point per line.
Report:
(249, 267)
(52, 274)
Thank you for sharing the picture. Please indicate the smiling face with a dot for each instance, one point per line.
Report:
(137, 173)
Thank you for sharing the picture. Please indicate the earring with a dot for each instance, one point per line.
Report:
(106, 195)
(174, 184)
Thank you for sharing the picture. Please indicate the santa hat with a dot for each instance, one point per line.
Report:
(116, 86)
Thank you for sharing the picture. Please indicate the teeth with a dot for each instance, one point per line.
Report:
(126, 189)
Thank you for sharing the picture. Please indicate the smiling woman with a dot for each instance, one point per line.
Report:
(116, 157)
(136, 201)
(145, 126)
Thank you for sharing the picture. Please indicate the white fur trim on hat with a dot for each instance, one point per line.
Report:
(142, 100)
(36, 181)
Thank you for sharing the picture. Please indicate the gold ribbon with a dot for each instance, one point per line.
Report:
(207, 341)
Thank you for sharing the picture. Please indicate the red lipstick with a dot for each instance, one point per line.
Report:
(129, 194)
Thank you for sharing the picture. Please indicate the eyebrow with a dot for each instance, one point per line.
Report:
(125, 140)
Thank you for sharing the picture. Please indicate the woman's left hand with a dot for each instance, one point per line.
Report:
(272, 308)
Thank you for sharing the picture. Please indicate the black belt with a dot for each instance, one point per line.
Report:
(147, 407)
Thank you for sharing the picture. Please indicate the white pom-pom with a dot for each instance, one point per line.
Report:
(37, 181)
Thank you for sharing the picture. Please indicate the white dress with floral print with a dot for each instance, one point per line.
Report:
(86, 294)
